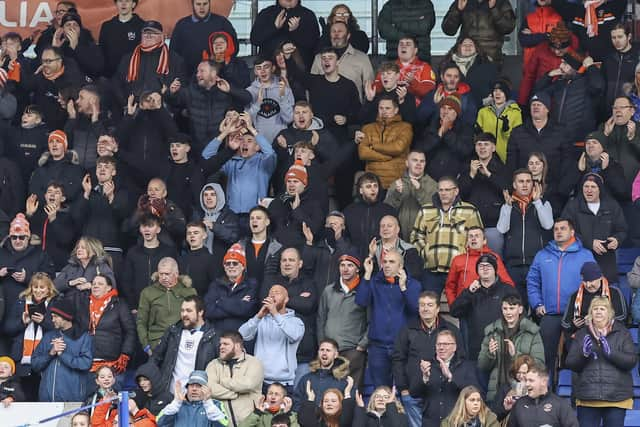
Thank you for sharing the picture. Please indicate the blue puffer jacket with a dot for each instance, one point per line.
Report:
(390, 307)
(555, 275)
(64, 377)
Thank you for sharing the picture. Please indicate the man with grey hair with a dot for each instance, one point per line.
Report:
(160, 302)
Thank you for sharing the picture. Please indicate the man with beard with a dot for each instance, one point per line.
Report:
(196, 407)
(328, 371)
(278, 332)
(353, 64)
(451, 83)
(235, 378)
(363, 216)
(187, 345)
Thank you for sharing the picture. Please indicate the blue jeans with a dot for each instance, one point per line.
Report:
(605, 417)
(379, 364)
(413, 408)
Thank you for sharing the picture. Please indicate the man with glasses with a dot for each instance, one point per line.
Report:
(440, 232)
(19, 260)
(46, 38)
(232, 299)
(150, 67)
(622, 140)
(441, 378)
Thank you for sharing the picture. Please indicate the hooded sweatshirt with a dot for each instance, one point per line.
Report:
(275, 112)
(277, 340)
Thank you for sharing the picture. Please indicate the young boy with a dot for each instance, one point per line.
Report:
(10, 389)
(142, 259)
(197, 262)
(184, 177)
(27, 142)
(388, 79)
(52, 222)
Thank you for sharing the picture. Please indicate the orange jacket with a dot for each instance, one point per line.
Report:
(423, 82)
(541, 20)
(463, 272)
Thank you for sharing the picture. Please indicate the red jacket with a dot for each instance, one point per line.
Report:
(463, 272)
(424, 78)
(542, 61)
(542, 20)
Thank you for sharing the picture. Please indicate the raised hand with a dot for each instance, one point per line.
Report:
(293, 23)
(280, 19)
(369, 90)
(508, 200)
(308, 234)
(348, 387)
(71, 109)
(32, 205)
(359, 400)
(175, 86)
(132, 106)
(311, 396)
(177, 392)
(223, 85)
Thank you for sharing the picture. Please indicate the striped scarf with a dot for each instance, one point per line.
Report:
(591, 16)
(134, 63)
(32, 335)
(604, 292)
(523, 202)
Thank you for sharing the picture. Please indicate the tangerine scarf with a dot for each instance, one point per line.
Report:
(591, 16)
(134, 63)
(97, 307)
(604, 292)
(523, 202)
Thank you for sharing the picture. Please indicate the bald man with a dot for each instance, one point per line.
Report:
(278, 333)
(160, 303)
(389, 233)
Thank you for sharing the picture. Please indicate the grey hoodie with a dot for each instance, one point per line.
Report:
(275, 112)
(212, 214)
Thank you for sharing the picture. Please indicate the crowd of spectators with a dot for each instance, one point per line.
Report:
(266, 241)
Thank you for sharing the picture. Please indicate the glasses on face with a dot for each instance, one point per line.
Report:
(48, 61)
(19, 238)
(483, 266)
(342, 14)
(621, 107)
(231, 264)
(445, 344)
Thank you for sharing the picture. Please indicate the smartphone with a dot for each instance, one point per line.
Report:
(11, 270)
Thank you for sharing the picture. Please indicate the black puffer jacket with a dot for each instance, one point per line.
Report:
(448, 155)
(608, 377)
(32, 260)
(66, 171)
(618, 68)
(485, 25)
(609, 222)
(574, 101)
(158, 398)
(83, 136)
(165, 355)
(400, 18)
(552, 140)
(363, 221)
(286, 222)
(116, 331)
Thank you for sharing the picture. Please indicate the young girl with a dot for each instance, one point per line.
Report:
(470, 411)
(81, 419)
(103, 415)
(150, 394)
(26, 322)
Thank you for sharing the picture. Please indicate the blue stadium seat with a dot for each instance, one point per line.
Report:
(626, 257)
(634, 334)
(623, 285)
(632, 419)
(564, 377)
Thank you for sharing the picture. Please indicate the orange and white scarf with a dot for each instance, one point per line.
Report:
(591, 16)
(523, 202)
(32, 335)
(134, 63)
(604, 292)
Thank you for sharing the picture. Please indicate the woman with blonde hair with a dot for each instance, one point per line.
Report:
(26, 321)
(470, 411)
(88, 259)
(383, 410)
(603, 355)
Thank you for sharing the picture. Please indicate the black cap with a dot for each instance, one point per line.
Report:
(152, 25)
(71, 16)
(489, 258)
(63, 308)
